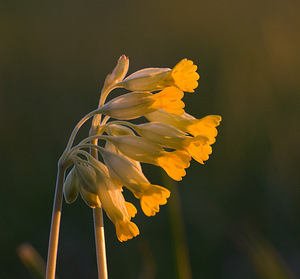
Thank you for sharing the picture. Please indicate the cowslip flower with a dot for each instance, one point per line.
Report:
(183, 76)
(169, 139)
(136, 104)
(127, 174)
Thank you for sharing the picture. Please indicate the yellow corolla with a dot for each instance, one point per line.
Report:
(199, 148)
(183, 76)
(169, 100)
(117, 209)
(205, 126)
(126, 173)
(146, 151)
(174, 163)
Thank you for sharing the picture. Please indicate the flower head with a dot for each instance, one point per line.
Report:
(169, 139)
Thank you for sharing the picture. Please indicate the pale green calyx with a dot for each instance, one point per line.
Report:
(87, 178)
(71, 186)
(145, 80)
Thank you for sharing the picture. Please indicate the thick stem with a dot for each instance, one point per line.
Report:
(55, 224)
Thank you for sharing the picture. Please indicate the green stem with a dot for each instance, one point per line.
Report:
(55, 224)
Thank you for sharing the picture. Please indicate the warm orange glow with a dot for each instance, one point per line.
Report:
(183, 76)
(199, 148)
(205, 126)
(126, 230)
(169, 100)
(175, 163)
(152, 198)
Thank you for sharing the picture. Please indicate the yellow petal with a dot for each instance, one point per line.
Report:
(126, 230)
(184, 76)
(130, 209)
(152, 197)
(205, 126)
(199, 148)
(169, 100)
(174, 163)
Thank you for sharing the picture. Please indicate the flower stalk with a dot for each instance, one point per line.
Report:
(55, 224)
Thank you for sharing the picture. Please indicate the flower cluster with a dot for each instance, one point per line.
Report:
(169, 139)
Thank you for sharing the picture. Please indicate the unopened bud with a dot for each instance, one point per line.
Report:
(87, 178)
(71, 187)
(118, 73)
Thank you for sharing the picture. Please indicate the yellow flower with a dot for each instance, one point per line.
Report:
(168, 136)
(136, 104)
(169, 140)
(205, 126)
(199, 148)
(117, 209)
(174, 163)
(183, 76)
(145, 151)
(169, 100)
(127, 174)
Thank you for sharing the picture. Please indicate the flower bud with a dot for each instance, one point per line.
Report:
(118, 73)
(71, 186)
(87, 178)
(145, 80)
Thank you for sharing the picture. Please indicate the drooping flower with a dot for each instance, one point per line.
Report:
(127, 174)
(145, 151)
(117, 209)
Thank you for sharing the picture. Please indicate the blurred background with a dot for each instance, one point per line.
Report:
(237, 216)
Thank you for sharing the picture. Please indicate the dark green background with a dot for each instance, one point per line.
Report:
(54, 56)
